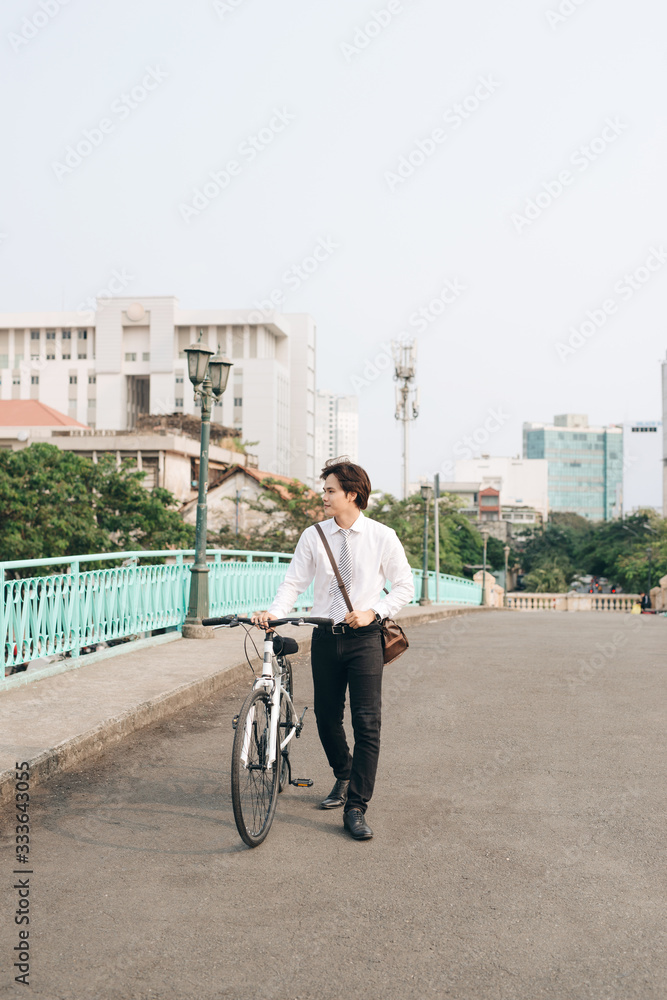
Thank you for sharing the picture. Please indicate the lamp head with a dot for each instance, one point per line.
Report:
(426, 491)
(218, 372)
(197, 356)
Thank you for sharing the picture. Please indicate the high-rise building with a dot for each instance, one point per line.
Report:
(108, 367)
(585, 465)
(642, 465)
(336, 427)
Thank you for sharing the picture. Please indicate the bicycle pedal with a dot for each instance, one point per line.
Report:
(301, 782)
(235, 722)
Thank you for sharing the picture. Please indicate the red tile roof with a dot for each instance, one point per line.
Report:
(32, 413)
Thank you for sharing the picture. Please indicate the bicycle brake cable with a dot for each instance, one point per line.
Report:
(248, 635)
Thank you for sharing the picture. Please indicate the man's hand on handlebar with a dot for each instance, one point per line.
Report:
(262, 618)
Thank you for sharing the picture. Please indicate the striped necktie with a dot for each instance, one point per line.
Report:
(338, 608)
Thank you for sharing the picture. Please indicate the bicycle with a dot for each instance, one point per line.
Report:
(264, 729)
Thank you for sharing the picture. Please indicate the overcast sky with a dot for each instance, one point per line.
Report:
(499, 166)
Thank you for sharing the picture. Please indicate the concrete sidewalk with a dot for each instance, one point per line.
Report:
(55, 722)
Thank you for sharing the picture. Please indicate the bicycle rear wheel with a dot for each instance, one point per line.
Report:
(254, 786)
(286, 724)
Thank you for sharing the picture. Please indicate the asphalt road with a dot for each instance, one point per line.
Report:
(519, 822)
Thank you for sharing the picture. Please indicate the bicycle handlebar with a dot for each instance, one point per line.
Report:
(296, 620)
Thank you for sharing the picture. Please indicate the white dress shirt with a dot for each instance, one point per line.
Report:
(377, 556)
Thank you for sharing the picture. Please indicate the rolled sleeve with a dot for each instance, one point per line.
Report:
(397, 570)
(299, 576)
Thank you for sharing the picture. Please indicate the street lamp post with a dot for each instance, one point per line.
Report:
(209, 378)
(506, 550)
(484, 532)
(649, 554)
(426, 492)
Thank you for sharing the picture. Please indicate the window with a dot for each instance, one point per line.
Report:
(178, 401)
(73, 379)
(83, 335)
(130, 356)
(238, 400)
(92, 402)
(92, 379)
(51, 356)
(50, 334)
(66, 356)
(66, 335)
(179, 380)
(34, 380)
(146, 356)
(16, 380)
(34, 334)
(82, 354)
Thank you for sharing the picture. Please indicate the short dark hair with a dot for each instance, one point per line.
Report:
(352, 478)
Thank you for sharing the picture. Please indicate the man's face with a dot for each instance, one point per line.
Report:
(335, 499)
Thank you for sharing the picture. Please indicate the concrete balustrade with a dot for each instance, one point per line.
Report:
(521, 601)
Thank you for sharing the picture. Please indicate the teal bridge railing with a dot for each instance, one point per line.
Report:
(43, 616)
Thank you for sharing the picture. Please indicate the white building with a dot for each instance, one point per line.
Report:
(642, 465)
(106, 368)
(336, 427)
(523, 482)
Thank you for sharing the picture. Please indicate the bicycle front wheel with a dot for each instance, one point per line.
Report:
(254, 785)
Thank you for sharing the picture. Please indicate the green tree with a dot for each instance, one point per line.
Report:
(55, 503)
(290, 508)
(631, 565)
(547, 580)
(461, 545)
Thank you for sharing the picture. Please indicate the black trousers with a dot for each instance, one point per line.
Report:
(353, 660)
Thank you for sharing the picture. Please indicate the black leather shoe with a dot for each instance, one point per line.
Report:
(356, 825)
(337, 796)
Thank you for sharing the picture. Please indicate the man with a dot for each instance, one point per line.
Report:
(349, 653)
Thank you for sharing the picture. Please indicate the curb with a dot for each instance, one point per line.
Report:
(76, 749)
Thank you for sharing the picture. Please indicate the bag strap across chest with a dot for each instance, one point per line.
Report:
(327, 547)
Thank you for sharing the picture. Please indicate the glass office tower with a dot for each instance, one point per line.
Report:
(585, 465)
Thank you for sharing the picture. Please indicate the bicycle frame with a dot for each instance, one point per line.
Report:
(267, 681)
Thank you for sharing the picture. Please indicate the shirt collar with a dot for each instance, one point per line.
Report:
(358, 525)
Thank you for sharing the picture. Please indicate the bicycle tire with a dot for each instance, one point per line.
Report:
(254, 787)
(286, 723)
